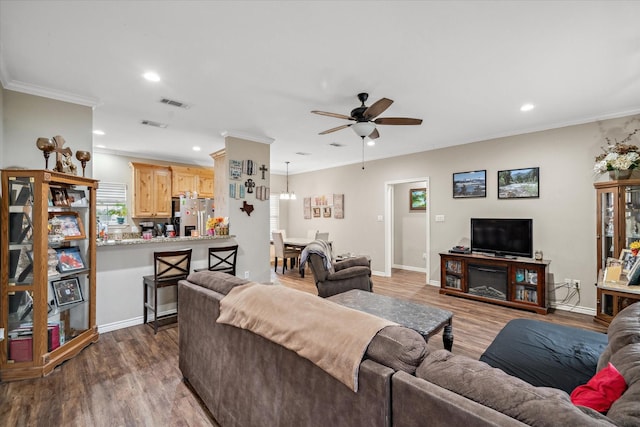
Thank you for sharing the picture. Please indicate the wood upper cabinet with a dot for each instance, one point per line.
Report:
(151, 191)
(189, 179)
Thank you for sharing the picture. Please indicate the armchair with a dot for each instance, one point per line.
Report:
(352, 273)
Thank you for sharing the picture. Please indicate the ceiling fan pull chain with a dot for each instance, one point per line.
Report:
(363, 153)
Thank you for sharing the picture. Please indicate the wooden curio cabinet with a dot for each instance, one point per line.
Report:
(617, 225)
(48, 274)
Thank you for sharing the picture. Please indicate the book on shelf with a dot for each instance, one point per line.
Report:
(53, 336)
(21, 349)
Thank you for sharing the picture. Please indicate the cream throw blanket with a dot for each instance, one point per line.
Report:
(332, 336)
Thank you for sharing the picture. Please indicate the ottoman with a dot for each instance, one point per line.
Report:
(545, 354)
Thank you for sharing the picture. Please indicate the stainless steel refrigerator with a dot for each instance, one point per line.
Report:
(194, 214)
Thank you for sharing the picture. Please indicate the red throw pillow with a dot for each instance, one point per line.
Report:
(601, 391)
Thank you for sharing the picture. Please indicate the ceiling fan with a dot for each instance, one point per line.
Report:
(365, 118)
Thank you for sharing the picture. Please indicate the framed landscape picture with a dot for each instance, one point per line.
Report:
(417, 199)
(519, 183)
(469, 184)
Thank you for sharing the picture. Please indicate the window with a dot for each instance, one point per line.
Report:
(274, 212)
(111, 202)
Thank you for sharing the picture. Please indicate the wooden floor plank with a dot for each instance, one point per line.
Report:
(130, 377)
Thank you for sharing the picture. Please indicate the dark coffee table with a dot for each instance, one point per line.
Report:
(425, 320)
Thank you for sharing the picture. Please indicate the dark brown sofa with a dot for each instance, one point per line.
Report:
(246, 380)
(456, 390)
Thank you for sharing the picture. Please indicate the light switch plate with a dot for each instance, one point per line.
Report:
(439, 218)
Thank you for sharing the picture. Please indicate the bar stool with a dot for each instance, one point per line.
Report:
(223, 259)
(169, 267)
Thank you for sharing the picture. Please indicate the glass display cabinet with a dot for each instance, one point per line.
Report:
(48, 274)
(618, 224)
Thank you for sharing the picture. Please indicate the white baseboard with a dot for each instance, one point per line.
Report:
(573, 308)
(121, 324)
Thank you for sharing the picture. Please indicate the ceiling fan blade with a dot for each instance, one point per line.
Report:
(336, 115)
(397, 121)
(377, 108)
(374, 134)
(333, 129)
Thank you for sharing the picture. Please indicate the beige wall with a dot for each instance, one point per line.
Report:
(408, 226)
(27, 117)
(564, 218)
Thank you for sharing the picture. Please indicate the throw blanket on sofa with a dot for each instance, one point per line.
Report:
(331, 336)
(319, 247)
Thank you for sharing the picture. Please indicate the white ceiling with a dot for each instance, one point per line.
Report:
(257, 68)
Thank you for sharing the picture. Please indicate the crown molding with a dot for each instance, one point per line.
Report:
(247, 136)
(58, 95)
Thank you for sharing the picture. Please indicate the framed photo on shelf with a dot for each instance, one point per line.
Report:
(519, 183)
(69, 259)
(77, 197)
(628, 259)
(469, 184)
(70, 224)
(59, 196)
(67, 291)
(418, 199)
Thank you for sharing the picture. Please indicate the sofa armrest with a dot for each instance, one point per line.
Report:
(348, 273)
(351, 262)
(414, 399)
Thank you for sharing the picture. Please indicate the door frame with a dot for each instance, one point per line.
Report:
(388, 223)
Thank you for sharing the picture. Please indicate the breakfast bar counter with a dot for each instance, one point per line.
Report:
(121, 265)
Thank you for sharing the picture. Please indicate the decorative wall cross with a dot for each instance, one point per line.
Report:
(263, 169)
(249, 184)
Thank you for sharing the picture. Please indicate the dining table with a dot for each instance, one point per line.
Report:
(298, 243)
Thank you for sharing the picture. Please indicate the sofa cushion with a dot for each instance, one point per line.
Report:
(600, 391)
(475, 380)
(216, 281)
(397, 347)
(623, 330)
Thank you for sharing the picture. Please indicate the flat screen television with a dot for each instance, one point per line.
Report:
(502, 236)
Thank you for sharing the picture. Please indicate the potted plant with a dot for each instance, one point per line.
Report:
(120, 211)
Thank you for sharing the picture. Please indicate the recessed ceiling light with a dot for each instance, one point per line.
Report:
(151, 76)
(100, 146)
(98, 132)
(527, 107)
(371, 143)
(196, 148)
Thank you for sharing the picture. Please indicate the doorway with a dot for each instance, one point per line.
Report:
(402, 244)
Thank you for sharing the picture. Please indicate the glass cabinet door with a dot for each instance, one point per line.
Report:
(608, 226)
(632, 214)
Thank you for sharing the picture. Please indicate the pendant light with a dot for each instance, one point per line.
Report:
(286, 195)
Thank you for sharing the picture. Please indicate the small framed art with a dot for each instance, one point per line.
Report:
(59, 196)
(69, 223)
(469, 184)
(418, 199)
(69, 259)
(628, 259)
(67, 291)
(519, 183)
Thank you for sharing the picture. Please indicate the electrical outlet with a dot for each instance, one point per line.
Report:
(576, 283)
(246, 274)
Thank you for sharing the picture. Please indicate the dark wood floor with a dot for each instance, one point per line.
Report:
(131, 378)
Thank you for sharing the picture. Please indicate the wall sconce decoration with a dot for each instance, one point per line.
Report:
(46, 146)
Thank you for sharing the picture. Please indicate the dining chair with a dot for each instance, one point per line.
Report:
(280, 251)
(169, 267)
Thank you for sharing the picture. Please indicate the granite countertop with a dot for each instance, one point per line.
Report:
(141, 241)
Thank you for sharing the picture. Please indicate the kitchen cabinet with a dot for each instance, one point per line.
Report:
(151, 191)
(191, 179)
(48, 274)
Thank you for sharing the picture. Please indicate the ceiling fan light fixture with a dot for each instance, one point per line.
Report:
(363, 129)
(371, 143)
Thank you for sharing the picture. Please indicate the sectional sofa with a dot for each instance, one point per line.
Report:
(247, 380)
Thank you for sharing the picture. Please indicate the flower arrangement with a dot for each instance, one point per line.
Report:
(635, 245)
(618, 156)
(218, 225)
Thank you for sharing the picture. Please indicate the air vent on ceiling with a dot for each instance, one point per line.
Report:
(301, 153)
(155, 124)
(175, 103)
(336, 144)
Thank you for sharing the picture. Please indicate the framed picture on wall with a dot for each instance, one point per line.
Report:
(418, 199)
(470, 184)
(519, 183)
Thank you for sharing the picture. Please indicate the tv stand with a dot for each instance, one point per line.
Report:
(511, 282)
